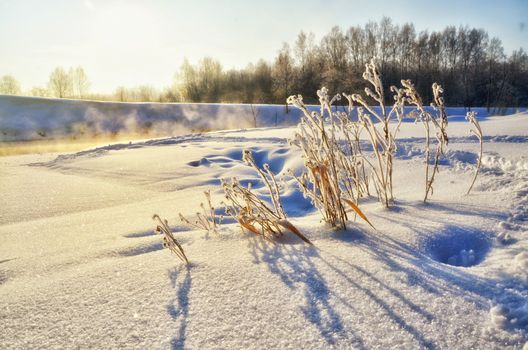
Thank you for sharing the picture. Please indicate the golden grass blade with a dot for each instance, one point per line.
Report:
(358, 211)
(169, 241)
(249, 227)
(289, 226)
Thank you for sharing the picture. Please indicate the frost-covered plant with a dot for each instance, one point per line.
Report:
(351, 158)
(440, 123)
(254, 214)
(336, 148)
(337, 165)
(333, 178)
(438, 119)
(169, 241)
(383, 141)
(206, 220)
(477, 131)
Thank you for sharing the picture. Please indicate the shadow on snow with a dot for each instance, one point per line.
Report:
(178, 307)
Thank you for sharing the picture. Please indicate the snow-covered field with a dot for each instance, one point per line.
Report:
(80, 265)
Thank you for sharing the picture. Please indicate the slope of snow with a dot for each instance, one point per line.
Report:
(31, 118)
(80, 265)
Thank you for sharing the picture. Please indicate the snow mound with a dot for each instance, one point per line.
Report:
(505, 165)
(510, 316)
(521, 263)
(458, 247)
(280, 159)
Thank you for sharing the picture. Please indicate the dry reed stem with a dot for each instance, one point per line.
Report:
(439, 122)
(206, 220)
(383, 142)
(477, 131)
(252, 213)
(169, 241)
(335, 165)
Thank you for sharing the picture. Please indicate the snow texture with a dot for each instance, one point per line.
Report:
(81, 267)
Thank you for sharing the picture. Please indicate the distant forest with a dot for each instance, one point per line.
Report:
(472, 67)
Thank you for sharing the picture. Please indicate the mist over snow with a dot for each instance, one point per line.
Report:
(30, 118)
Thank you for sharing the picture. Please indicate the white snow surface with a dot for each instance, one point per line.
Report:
(80, 265)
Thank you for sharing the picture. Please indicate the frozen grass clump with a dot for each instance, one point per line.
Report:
(437, 121)
(477, 131)
(169, 241)
(254, 214)
(335, 175)
(205, 220)
(338, 170)
(378, 128)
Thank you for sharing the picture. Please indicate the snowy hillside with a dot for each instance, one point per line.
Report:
(81, 267)
(30, 118)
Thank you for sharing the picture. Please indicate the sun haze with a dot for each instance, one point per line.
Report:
(129, 43)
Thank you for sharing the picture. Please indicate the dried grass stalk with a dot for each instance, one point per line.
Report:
(207, 219)
(383, 141)
(438, 119)
(251, 212)
(477, 131)
(358, 211)
(169, 241)
(323, 158)
(335, 164)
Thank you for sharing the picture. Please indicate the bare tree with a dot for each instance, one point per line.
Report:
(494, 55)
(9, 85)
(146, 93)
(39, 91)
(406, 41)
(121, 94)
(334, 49)
(263, 83)
(188, 80)
(80, 83)
(209, 77)
(385, 41)
(356, 41)
(60, 84)
(283, 73)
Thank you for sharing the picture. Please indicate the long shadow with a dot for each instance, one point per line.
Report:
(299, 266)
(436, 277)
(178, 307)
(463, 209)
(436, 208)
(295, 266)
(443, 280)
(388, 308)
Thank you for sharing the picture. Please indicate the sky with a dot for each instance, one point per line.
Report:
(133, 42)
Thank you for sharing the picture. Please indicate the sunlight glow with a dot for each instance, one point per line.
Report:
(125, 29)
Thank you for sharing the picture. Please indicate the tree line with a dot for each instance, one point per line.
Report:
(472, 67)
(62, 83)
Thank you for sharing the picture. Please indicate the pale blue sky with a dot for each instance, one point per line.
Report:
(132, 42)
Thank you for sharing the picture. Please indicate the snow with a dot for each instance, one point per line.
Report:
(81, 267)
(31, 118)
